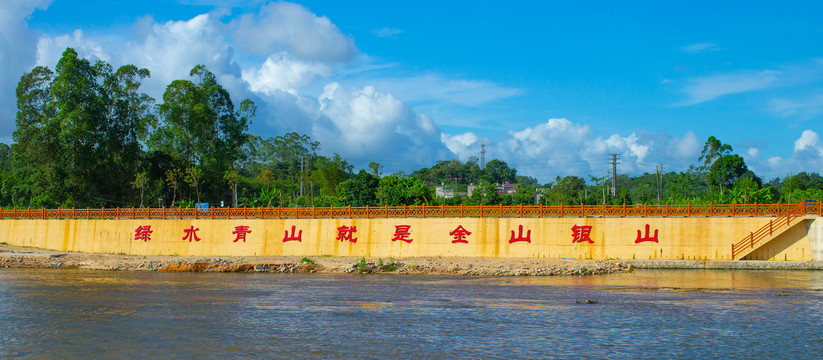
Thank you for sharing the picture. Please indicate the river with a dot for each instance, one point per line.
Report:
(77, 314)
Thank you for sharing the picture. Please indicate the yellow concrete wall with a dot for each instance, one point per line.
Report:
(613, 238)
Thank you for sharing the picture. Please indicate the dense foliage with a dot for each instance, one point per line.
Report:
(87, 137)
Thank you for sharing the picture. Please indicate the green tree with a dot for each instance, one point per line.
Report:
(198, 126)
(329, 173)
(713, 149)
(361, 190)
(193, 177)
(140, 182)
(726, 170)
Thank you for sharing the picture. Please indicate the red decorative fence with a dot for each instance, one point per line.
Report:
(764, 232)
(494, 211)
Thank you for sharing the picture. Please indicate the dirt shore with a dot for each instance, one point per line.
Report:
(22, 257)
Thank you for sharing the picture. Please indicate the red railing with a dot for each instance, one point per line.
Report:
(767, 231)
(492, 211)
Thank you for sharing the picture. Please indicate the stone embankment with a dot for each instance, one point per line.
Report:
(16, 257)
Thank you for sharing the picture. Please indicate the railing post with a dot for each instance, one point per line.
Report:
(689, 209)
(500, 212)
(624, 209)
(132, 212)
(117, 213)
(313, 215)
(541, 210)
(14, 213)
(279, 212)
(732, 251)
(368, 212)
(442, 210)
(44, 213)
(88, 213)
(667, 209)
(582, 210)
(164, 213)
(296, 212)
(349, 211)
(756, 212)
(481, 211)
(734, 209)
(751, 236)
(603, 210)
(645, 210)
(58, 213)
(461, 210)
(561, 210)
(404, 211)
(331, 211)
(778, 208)
(424, 211)
(261, 213)
(245, 215)
(521, 210)
(770, 228)
(386, 211)
(711, 209)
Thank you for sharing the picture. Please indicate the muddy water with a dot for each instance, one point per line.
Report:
(645, 314)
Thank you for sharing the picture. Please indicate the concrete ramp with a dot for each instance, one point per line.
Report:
(773, 237)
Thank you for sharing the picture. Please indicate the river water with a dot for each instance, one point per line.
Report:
(645, 314)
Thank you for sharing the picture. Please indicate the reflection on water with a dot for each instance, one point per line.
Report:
(649, 314)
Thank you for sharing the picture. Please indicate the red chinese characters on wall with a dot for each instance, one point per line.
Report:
(345, 233)
(460, 234)
(646, 237)
(143, 232)
(581, 234)
(298, 238)
(401, 232)
(520, 236)
(191, 234)
(241, 232)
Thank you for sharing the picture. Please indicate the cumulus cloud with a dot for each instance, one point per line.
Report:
(282, 26)
(18, 53)
(807, 156)
(367, 123)
(433, 87)
(282, 72)
(561, 147)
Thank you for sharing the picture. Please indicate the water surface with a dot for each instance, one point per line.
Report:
(645, 314)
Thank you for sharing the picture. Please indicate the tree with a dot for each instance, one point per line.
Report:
(140, 182)
(193, 177)
(199, 126)
(497, 171)
(78, 132)
(173, 179)
(726, 170)
(712, 150)
(232, 178)
(359, 190)
(375, 168)
(331, 172)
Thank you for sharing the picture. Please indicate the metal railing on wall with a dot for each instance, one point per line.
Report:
(423, 211)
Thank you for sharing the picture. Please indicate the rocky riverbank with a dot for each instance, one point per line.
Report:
(17, 257)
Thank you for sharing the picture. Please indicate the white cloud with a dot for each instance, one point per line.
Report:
(49, 49)
(283, 26)
(807, 156)
(18, 51)
(706, 88)
(805, 108)
(561, 147)
(281, 71)
(433, 87)
(711, 87)
(386, 32)
(700, 47)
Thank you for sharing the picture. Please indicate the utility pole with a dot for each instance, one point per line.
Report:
(659, 170)
(302, 159)
(613, 160)
(482, 155)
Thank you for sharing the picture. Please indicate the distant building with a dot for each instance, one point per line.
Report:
(504, 189)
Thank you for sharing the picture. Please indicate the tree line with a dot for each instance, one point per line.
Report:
(86, 136)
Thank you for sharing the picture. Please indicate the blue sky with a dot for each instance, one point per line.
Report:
(551, 88)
